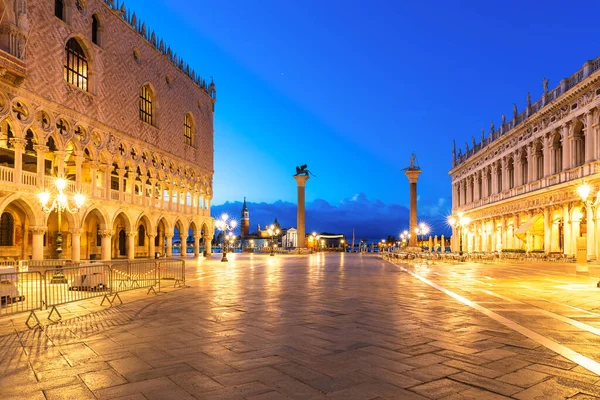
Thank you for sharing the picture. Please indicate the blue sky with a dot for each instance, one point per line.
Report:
(352, 88)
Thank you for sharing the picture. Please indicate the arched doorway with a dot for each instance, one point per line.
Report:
(94, 224)
(121, 227)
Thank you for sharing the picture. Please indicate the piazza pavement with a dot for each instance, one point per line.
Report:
(322, 326)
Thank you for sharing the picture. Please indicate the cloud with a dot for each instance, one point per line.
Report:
(371, 219)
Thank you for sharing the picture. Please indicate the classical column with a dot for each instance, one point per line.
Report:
(131, 245)
(37, 243)
(413, 177)
(76, 245)
(494, 178)
(566, 140)
(169, 240)
(566, 230)
(106, 244)
(19, 146)
(477, 193)
(301, 218)
(196, 246)
(208, 236)
(121, 172)
(93, 165)
(59, 158)
(151, 245)
(547, 230)
(41, 164)
(591, 230)
(547, 143)
(106, 171)
(590, 142)
(530, 163)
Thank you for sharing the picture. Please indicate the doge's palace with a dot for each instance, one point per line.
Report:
(91, 94)
(521, 184)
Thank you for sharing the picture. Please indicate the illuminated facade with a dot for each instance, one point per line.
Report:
(89, 93)
(519, 185)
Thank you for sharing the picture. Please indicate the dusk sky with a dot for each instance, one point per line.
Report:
(352, 88)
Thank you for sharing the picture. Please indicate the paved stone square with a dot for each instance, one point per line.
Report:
(340, 326)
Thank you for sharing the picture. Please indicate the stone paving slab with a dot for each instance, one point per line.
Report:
(320, 326)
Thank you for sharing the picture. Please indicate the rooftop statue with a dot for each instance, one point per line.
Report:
(545, 83)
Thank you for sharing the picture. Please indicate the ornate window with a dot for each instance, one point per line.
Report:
(511, 174)
(76, 65)
(141, 236)
(7, 228)
(146, 105)
(188, 128)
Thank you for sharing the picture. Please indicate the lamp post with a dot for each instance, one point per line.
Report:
(252, 244)
(459, 223)
(343, 245)
(273, 231)
(225, 224)
(60, 203)
(314, 239)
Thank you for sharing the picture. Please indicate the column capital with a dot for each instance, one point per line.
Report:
(106, 233)
(301, 180)
(18, 143)
(40, 148)
(151, 235)
(38, 230)
(131, 233)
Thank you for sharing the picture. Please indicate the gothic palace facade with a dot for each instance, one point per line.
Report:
(89, 93)
(519, 186)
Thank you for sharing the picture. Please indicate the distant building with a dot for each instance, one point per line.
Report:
(290, 238)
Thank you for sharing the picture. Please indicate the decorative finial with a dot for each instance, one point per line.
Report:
(493, 127)
(482, 135)
(515, 111)
(545, 83)
(503, 119)
(529, 99)
(454, 150)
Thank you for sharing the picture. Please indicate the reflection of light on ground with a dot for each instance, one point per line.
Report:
(576, 286)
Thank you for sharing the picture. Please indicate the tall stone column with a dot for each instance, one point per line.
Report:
(41, 163)
(413, 177)
(547, 230)
(301, 217)
(196, 246)
(151, 245)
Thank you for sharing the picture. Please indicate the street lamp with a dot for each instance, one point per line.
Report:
(343, 245)
(252, 244)
(273, 231)
(314, 240)
(60, 203)
(459, 223)
(225, 224)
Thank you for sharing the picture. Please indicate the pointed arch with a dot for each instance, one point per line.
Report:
(148, 104)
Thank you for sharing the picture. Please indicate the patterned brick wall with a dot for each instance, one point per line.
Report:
(116, 78)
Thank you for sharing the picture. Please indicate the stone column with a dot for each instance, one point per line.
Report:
(547, 230)
(93, 165)
(301, 218)
(19, 146)
(121, 172)
(591, 230)
(59, 158)
(37, 243)
(169, 240)
(566, 140)
(131, 245)
(106, 245)
(566, 230)
(196, 246)
(151, 245)
(76, 245)
(208, 236)
(413, 177)
(590, 142)
(106, 171)
(41, 164)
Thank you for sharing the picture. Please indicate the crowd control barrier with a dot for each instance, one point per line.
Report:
(46, 286)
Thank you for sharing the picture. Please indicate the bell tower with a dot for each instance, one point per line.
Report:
(245, 221)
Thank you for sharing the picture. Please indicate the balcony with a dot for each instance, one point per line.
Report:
(29, 184)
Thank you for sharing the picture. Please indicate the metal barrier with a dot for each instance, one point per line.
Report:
(19, 292)
(75, 283)
(172, 270)
(64, 283)
(129, 275)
